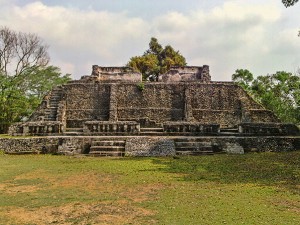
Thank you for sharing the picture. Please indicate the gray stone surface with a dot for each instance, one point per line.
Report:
(149, 146)
(233, 148)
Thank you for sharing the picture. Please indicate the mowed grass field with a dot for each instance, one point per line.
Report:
(259, 188)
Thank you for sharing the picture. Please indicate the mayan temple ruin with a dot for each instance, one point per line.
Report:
(112, 112)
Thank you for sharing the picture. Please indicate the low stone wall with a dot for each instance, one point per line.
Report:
(268, 129)
(128, 127)
(190, 127)
(149, 146)
(29, 145)
(39, 128)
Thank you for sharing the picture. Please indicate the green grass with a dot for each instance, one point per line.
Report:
(221, 189)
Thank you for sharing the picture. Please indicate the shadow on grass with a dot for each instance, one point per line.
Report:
(281, 169)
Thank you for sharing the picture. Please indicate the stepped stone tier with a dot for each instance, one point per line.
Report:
(115, 103)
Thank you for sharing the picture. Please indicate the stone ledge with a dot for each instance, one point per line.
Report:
(268, 129)
(148, 146)
(39, 128)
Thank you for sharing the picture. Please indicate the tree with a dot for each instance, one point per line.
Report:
(25, 76)
(243, 78)
(279, 92)
(156, 60)
(20, 51)
(288, 3)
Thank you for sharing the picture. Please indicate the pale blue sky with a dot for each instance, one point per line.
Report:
(259, 35)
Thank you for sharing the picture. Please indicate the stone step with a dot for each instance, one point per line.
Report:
(72, 129)
(55, 97)
(108, 143)
(50, 118)
(51, 109)
(151, 133)
(73, 133)
(230, 130)
(107, 153)
(149, 129)
(51, 101)
(107, 148)
(190, 139)
(194, 152)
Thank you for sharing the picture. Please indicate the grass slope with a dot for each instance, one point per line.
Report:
(222, 189)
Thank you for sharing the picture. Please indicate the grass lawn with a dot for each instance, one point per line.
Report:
(221, 189)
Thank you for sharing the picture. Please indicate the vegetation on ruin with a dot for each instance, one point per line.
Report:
(25, 75)
(279, 92)
(156, 60)
(259, 188)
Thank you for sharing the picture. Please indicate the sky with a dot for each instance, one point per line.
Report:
(258, 35)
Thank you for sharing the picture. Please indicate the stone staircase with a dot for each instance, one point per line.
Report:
(73, 131)
(51, 111)
(107, 148)
(147, 131)
(229, 131)
(190, 146)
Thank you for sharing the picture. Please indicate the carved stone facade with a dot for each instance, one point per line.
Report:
(113, 101)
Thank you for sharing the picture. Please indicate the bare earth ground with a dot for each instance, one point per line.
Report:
(121, 211)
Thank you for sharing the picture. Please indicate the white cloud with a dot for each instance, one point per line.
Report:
(226, 37)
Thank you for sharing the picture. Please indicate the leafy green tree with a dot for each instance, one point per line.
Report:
(156, 60)
(288, 3)
(243, 77)
(279, 92)
(25, 76)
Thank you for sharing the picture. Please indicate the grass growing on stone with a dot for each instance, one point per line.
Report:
(221, 189)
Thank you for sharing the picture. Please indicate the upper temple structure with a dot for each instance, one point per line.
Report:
(114, 101)
(183, 94)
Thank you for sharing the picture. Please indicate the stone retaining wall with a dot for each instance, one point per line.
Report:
(148, 146)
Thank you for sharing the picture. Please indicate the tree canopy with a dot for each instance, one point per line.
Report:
(156, 60)
(288, 3)
(279, 92)
(25, 76)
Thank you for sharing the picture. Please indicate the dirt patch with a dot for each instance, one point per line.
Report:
(36, 174)
(86, 180)
(143, 192)
(118, 212)
(16, 189)
(290, 205)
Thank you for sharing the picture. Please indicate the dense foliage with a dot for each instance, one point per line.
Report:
(288, 3)
(25, 76)
(156, 60)
(279, 92)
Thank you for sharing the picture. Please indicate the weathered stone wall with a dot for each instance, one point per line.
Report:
(38, 128)
(157, 101)
(148, 146)
(207, 102)
(116, 74)
(222, 103)
(186, 73)
(85, 102)
(111, 127)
